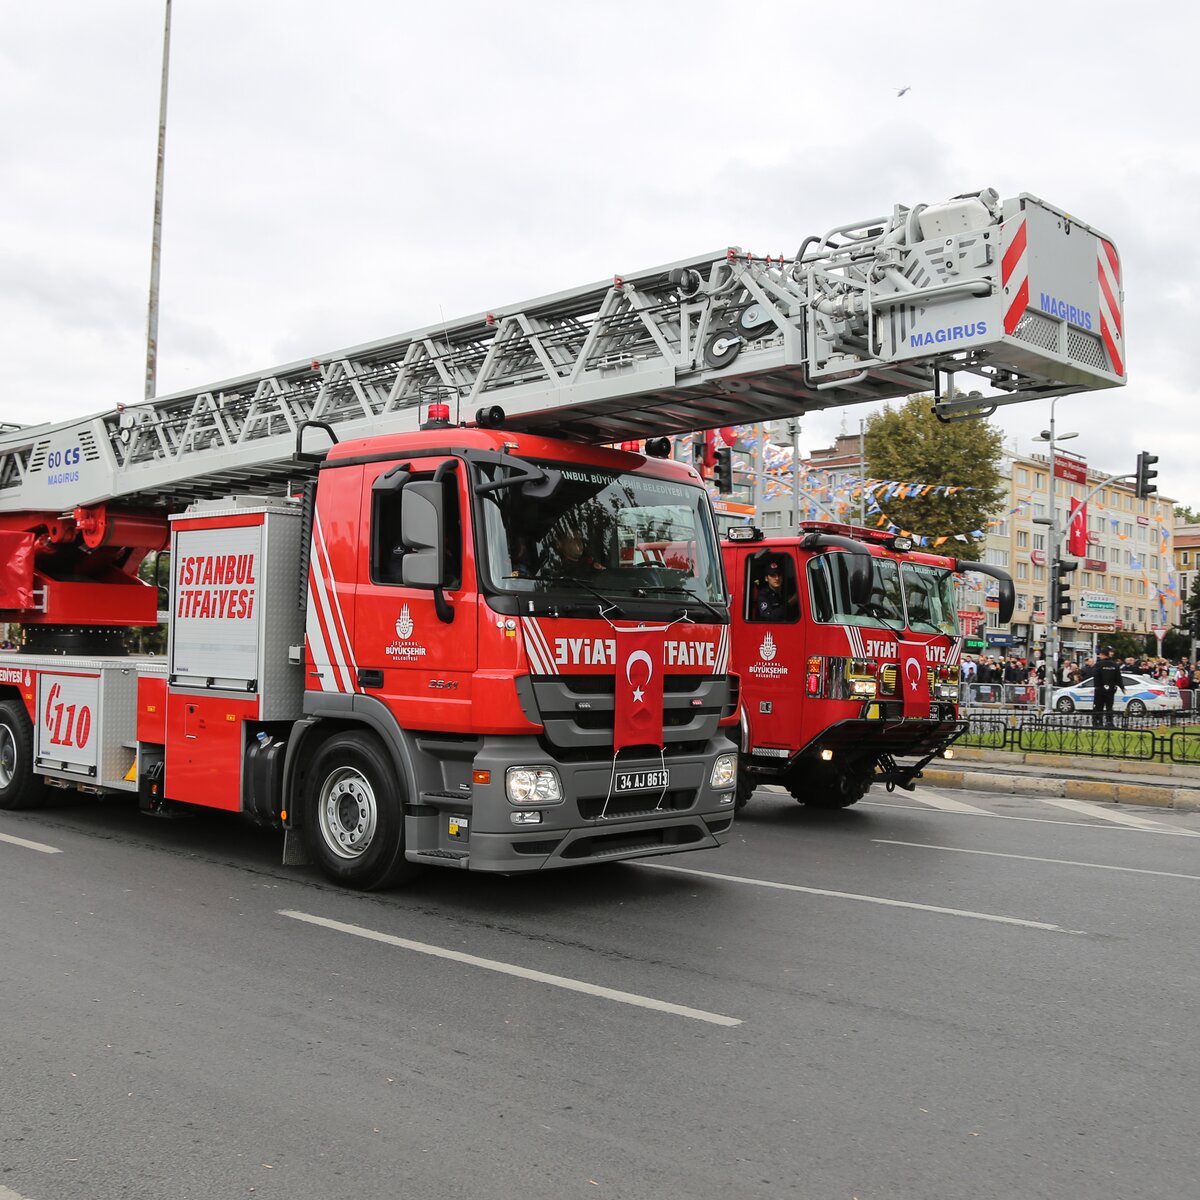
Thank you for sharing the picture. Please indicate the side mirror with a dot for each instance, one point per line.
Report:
(1008, 601)
(860, 580)
(1007, 590)
(422, 529)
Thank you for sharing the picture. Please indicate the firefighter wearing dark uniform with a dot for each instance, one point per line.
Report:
(770, 604)
(1107, 680)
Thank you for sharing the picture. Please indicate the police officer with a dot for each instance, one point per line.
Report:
(770, 604)
(1107, 680)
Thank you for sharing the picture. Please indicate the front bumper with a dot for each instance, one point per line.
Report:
(475, 830)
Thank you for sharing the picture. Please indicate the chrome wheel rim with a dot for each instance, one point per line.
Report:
(347, 813)
(8, 756)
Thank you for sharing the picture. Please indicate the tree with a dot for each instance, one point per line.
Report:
(910, 445)
(1186, 514)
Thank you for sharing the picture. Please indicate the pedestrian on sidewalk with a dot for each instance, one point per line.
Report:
(1108, 679)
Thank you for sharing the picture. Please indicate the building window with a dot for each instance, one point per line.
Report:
(1022, 570)
(1039, 541)
(1023, 539)
(1022, 476)
(996, 558)
(1185, 558)
(1039, 574)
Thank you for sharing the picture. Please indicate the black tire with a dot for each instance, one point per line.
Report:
(745, 789)
(824, 787)
(20, 788)
(353, 814)
(1064, 704)
(1136, 708)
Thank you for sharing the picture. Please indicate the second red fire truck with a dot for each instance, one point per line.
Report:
(848, 647)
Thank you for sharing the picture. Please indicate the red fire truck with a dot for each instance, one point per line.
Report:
(436, 640)
(848, 647)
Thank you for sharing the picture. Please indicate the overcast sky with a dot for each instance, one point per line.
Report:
(338, 173)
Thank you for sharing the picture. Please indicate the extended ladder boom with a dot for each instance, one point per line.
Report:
(1017, 293)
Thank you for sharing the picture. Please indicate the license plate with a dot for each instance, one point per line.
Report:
(642, 781)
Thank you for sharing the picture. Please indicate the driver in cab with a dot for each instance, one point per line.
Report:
(771, 604)
(569, 556)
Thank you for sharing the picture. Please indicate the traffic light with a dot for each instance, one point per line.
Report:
(1060, 585)
(1143, 487)
(702, 454)
(724, 470)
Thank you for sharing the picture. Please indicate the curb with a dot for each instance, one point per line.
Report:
(1169, 795)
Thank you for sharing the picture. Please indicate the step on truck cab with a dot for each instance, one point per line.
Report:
(848, 646)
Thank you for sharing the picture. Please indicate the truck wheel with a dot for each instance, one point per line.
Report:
(745, 789)
(19, 786)
(826, 788)
(354, 814)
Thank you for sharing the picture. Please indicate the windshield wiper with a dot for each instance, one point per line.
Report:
(679, 590)
(583, 583)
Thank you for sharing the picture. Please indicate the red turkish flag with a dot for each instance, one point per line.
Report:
(638, 703)
(914, 679)
(1077, 543)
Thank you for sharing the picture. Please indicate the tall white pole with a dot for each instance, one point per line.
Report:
(1052, 559)
(156, 241)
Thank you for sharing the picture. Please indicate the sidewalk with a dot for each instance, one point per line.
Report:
(1107, 780)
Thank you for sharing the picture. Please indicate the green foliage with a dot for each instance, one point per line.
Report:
(911, 445)
(1186, 514)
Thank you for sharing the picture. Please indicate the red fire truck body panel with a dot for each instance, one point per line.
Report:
(204, 747)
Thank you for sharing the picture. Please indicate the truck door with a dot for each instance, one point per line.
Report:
(419, 664)
(769, 646)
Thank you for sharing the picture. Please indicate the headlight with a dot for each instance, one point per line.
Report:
(532, 785)
(724, 772)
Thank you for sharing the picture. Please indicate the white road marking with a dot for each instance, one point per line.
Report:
(8, 1194)
(1115, 815)
(811, 891)
(1128, 827)
(16, 841)
(946, 803)
(1061, 862)
(489, 964)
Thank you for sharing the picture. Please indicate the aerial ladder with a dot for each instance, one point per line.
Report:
(1017, 294)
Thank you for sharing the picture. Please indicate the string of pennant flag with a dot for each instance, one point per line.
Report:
(848, 497)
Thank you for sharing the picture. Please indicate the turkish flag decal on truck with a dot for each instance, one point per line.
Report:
(638, 703)
(914, 679)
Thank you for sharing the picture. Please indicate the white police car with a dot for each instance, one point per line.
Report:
(1142, 694)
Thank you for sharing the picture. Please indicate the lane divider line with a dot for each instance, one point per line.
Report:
(884, 900)
(1059, 862)
(40, 846)
(503, 968)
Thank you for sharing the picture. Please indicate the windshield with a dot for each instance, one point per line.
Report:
(601, 532)
(829, 583)
(929, 595)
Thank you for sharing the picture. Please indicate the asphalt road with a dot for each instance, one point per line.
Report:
(928, 996)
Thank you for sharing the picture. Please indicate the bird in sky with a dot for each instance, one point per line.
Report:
(900, 91)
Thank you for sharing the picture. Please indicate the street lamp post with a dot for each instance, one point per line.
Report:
(1051, 437)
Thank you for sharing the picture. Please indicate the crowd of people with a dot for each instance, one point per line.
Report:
(1025, 673)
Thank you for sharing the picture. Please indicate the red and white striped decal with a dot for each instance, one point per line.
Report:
(329, 645)
(1014, 271)
(541, 659)
(1108, 270)
(721, 667)
(854, 637)
(955, 651)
